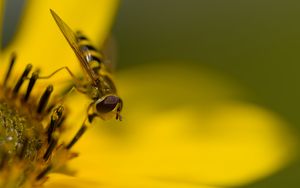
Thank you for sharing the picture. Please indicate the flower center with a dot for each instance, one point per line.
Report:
(29, 132)
(19, 135)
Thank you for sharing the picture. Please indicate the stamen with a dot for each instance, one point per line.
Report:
(44, 99)
(12, 62)
(32, 81)
(44, 172)
(55, 120)
(61, 122)
(22, 78)
(52, 145)
(77, 136)
(29, 145)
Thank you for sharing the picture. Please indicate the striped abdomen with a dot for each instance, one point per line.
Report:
(95, 60)
(92, 55)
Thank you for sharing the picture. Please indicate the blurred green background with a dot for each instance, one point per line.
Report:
(254, 42)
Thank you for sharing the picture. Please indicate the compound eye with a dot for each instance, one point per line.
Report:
(108, 104)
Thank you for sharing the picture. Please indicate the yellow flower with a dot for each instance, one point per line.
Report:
(182, 127)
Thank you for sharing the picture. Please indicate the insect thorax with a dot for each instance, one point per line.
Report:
(104, 87)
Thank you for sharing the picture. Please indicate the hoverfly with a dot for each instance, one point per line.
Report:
(98, 85)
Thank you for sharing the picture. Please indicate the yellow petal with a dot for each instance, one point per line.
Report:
(182, 127)
(63, 181)
(40, 42)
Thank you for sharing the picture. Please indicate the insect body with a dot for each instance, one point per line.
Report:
(98, 84)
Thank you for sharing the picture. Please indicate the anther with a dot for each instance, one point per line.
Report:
(50, 148)
(12, 62)
(44, 172)
(32, 81)
(22, 78)
(44, 99)
(77, 136)
(55, 120)
(61, 122)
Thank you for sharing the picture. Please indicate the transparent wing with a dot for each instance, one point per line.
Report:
(109, 50)
(72, 40)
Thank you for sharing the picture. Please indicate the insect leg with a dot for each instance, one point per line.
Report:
(79, 87)
(61, 98)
